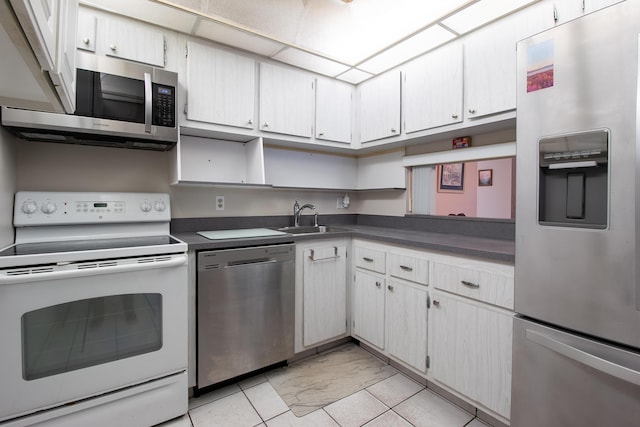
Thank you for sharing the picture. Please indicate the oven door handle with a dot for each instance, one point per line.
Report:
(83, 269)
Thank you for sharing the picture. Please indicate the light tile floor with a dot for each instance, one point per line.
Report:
(395, 401)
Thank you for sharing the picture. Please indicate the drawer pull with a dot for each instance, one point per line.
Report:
(436, 303)
(377, 284)
(367, 259)
(406, 268)
(470, 284)
(390, 288)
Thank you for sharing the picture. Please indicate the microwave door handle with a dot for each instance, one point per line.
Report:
(148, 96)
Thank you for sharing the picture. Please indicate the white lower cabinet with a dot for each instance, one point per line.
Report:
(390, 301)
(368, 308)
(406, 313)
(321, 292)
(470, 331)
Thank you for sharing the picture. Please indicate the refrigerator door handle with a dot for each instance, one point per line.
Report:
(622, 372)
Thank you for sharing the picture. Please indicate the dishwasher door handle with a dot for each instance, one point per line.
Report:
(250, 262)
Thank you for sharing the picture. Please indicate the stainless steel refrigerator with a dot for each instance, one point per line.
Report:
(576, 350)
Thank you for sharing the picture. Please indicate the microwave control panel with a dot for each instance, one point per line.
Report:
(164, 105)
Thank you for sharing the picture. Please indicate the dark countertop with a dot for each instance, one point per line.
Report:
(455, 244)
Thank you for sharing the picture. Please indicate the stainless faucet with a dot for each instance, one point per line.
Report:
(297, 211)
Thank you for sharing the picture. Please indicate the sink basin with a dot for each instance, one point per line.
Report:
(298, 231)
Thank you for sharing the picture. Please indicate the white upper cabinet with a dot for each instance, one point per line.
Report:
(50, 27)
(133, 41)
(86, 35)
(63, 74)
(433, 90)
(286, 100)
(490, 60)
(333, 110)
(220, 86)
(379, 102)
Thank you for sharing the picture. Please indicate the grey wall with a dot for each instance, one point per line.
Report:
(61, 167)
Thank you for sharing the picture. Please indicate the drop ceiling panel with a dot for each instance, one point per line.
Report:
(233, 37)
(483, 12)
(354, 76)
(310, 61)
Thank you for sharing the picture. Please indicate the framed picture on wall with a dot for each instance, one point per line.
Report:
(485, 177)
(451, 177)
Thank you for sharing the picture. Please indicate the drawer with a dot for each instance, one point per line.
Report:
(409, 268)
(488, 283)
(370, 259)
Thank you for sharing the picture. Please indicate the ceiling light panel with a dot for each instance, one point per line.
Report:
(483, 12)
(309, 61)
(420, 43)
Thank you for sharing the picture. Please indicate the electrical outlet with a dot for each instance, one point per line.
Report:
(339, 204)
(219, 203)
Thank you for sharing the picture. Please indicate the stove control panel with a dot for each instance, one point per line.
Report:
(64, 208)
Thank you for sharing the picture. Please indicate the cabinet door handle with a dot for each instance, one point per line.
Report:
(454, 116)
(390, 288)
(393, 130)
(250, 122)
(367, 259)
(470, 284)
(436, 303)
(472, 110)
(321, 134)
(406, 268)
(113, 47)
(378, 284)
(85, 40)
(265, 125)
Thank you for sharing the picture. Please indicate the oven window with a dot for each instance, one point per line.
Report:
(89, 332)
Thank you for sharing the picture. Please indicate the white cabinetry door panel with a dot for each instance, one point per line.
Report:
(324, 294)
(471, 350)
(87, 27)
(133, 41)
(220, 86)
(490, 60)
(39, 20)
(433, 90)
(286, 101)
(380, 107)
(406, 313)
(63, 75)
(487, 282)
(368, 308)
(333, 110)
(494, 335)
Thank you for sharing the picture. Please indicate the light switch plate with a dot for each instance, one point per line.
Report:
(219, 203)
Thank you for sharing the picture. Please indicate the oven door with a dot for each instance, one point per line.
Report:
(75, 331)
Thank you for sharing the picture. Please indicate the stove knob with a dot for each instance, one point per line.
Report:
(145, 206)
(160, 206)
(49, 208)
(29, 207)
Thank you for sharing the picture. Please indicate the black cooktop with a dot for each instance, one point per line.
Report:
(86, 245)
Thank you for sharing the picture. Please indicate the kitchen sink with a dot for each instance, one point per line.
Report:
(302, 230)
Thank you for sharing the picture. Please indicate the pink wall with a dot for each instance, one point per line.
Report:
(495, 201)
(464, 202)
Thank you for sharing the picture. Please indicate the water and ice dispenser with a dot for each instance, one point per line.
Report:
(574, 180)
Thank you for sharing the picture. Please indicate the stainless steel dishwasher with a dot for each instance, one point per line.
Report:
(245, 310)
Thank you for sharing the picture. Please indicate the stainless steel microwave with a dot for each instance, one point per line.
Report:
(118, 104)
